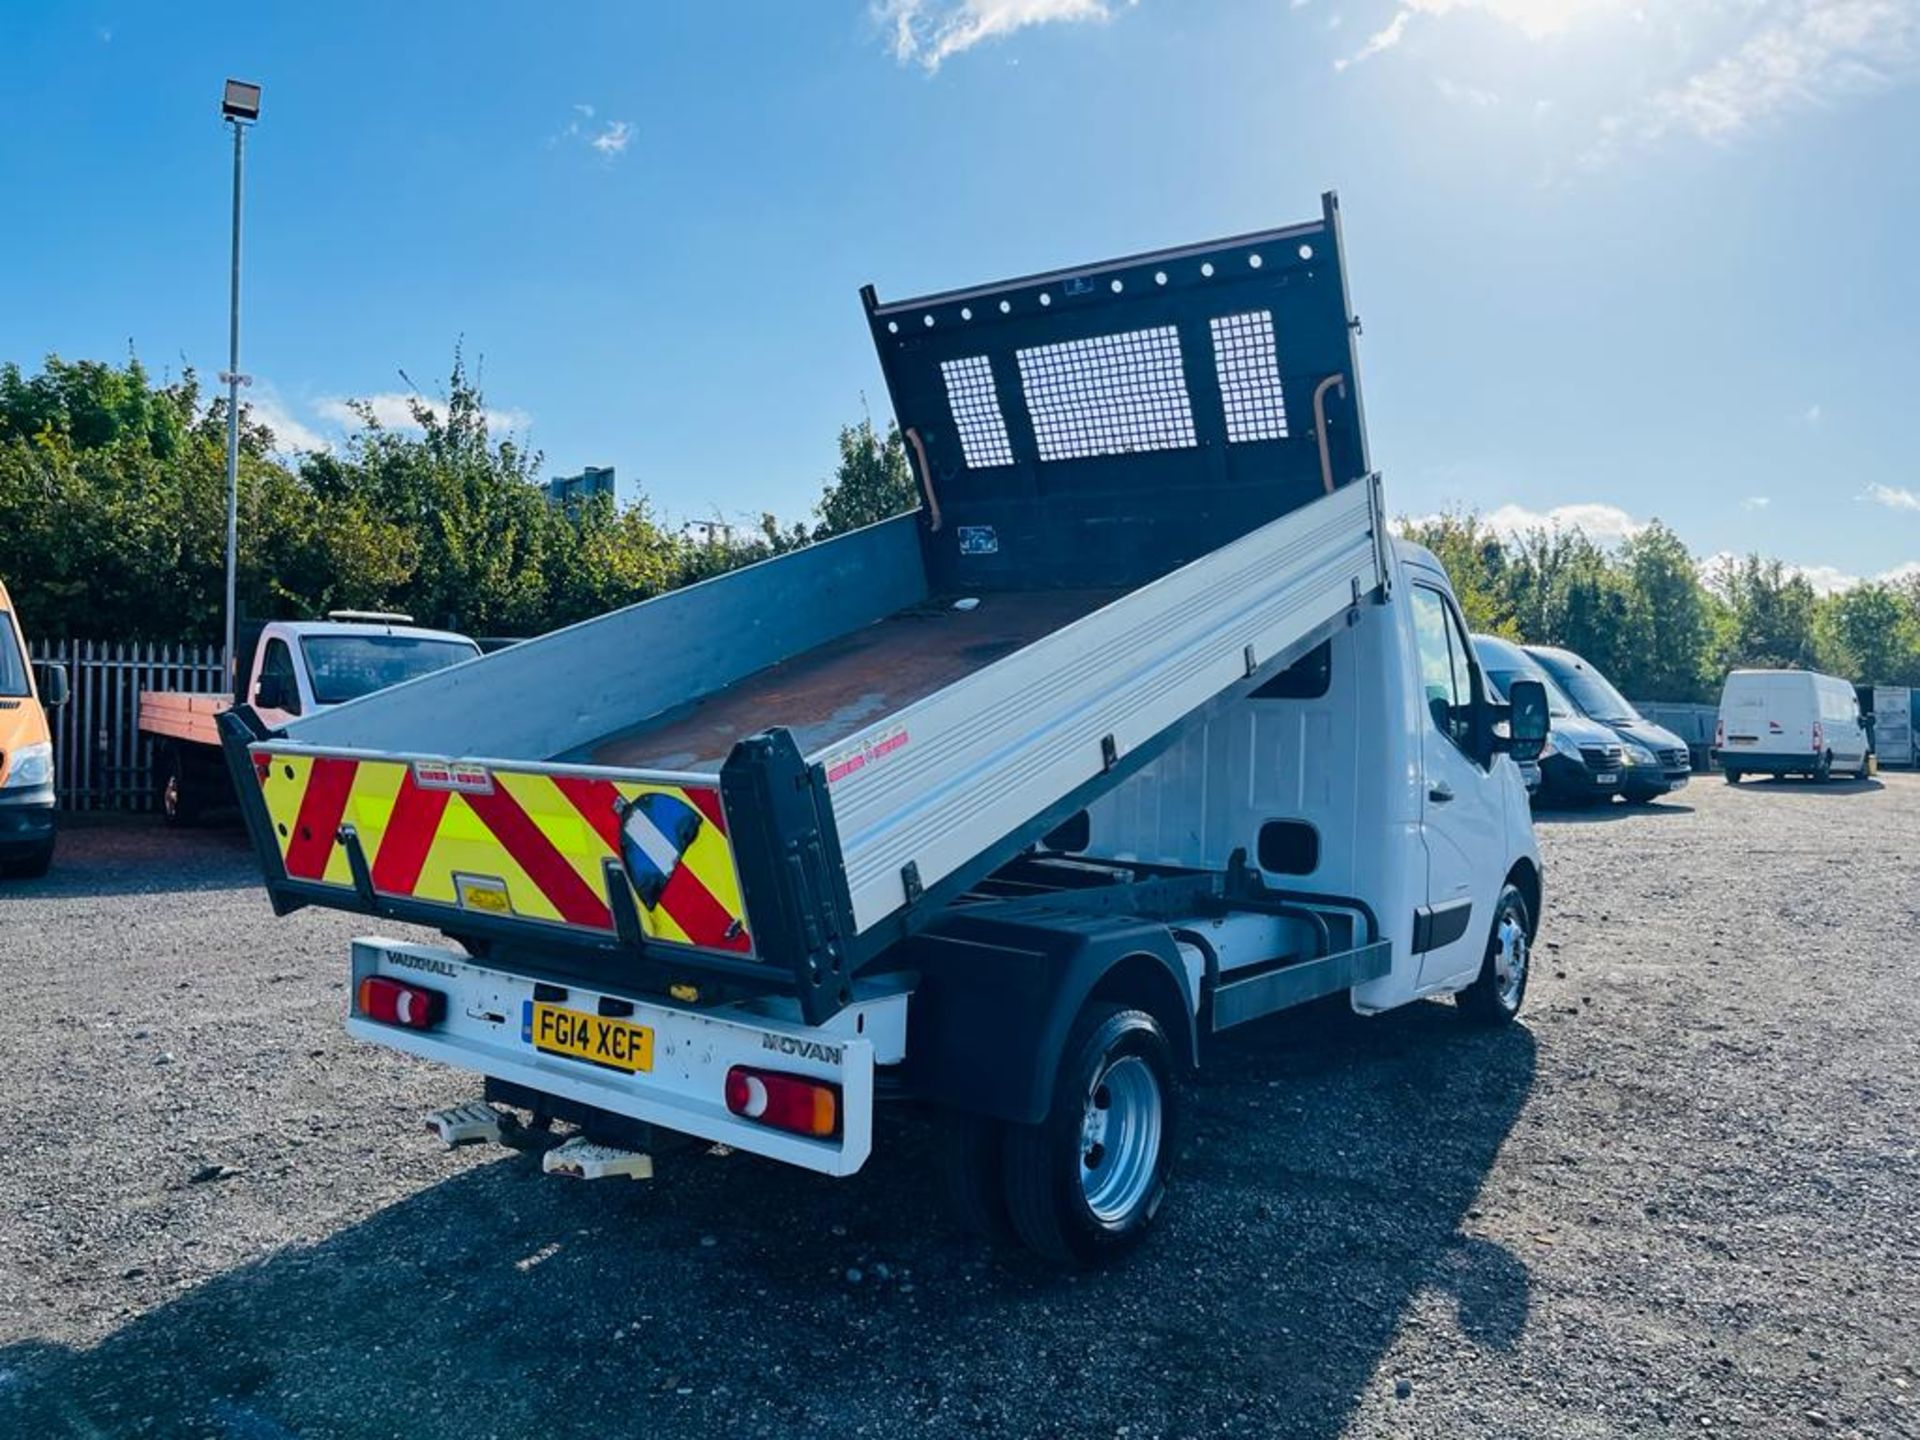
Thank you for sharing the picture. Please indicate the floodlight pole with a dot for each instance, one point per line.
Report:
(234, 380)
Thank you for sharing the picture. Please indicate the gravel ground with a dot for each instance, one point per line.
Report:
(1684, 1197)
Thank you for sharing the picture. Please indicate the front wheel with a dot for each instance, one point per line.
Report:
(32, 865)
(1495, 997)
(1084, 1185)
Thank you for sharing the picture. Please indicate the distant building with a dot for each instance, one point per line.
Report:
(572, 489)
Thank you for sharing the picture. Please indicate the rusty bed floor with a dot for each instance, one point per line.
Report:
(836, 689)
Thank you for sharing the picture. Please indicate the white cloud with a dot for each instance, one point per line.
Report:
(609, 140)
(1781, 56)
(290, 434)
(1892, 496)
(1603, 523)
(1756, 502)
(1813, 414)
(613, 139)
(929, 32)
(1825, 579)
(1466, 94)
(1711, 70)
(1534, 18)
(1379, 41)
(394, 411)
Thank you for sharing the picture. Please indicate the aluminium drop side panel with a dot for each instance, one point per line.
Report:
(943, 781)
(552, 697)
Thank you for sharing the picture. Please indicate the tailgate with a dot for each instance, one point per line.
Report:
(564, 848)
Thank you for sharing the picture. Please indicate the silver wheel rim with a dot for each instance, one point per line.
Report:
(1510, 960)
(1120, 1138)
(170, 797)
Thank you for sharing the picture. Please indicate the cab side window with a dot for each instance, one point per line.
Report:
(277, 677)
(1446, 674)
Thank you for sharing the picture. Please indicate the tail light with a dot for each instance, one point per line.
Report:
(393, 1002)
(1719, 734)
(786, 1102)
(1819, 738)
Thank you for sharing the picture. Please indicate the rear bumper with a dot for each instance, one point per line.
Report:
(1759, 762)
(26, 820)
(486, 1031)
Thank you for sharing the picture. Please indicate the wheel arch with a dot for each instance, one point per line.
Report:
(1143, 982)
(1526, 878)
(997, 1001)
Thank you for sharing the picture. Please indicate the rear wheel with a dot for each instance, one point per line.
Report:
(1732, 775)
(973, 1175)
(1496, 996)
(1084, 1185)
(1823, 769)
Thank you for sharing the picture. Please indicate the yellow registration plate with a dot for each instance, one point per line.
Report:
(603, 1039)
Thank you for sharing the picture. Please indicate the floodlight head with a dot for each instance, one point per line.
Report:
(240, 101)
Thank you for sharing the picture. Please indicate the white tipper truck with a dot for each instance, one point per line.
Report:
(1140, 728)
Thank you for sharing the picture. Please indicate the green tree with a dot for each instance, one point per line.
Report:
(1771, 612)
(1477, 562)
(1669, 618)
(872, 482)
(1868, 634)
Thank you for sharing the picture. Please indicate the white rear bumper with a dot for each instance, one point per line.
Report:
(485, 1030)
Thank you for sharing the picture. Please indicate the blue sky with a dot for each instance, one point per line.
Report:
(1616, 258)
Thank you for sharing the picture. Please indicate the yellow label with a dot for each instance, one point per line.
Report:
(603, 1039)
(484, 893)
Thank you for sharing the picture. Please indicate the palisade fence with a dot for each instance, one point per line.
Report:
(103, 761)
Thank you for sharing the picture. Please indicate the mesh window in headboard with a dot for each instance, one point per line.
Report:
(1249, 368)
(976, 412)
(1107, 395)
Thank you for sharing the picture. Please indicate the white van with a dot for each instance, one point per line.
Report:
(1789, 722)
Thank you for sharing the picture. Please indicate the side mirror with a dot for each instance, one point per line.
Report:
(54, 691)
(270, 693)
(1527, 720)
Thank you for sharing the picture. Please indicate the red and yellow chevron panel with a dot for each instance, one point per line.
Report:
(508, 842)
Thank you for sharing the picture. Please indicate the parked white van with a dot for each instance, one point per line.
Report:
(1789, 722)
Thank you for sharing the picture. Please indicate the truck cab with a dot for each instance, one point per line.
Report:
(1369, 771)
(299, 668)
(26, 751)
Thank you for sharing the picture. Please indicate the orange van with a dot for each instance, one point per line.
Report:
(26, 752)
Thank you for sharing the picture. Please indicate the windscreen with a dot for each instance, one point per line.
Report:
(13, 665)
(1558, 706)
(1589, 690)
(345, 667)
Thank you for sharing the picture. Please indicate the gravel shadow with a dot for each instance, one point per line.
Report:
(1330, 1167)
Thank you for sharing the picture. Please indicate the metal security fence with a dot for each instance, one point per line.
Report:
(104, 762)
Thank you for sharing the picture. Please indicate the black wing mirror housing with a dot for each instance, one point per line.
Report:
(54, 691)
(1527, 720)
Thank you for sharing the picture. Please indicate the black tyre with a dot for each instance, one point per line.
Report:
(1823, 769)
(1732, 775)
(179, 797)
(973, 1175)
(31, 866)
(1084, 1185)
(1496, 995)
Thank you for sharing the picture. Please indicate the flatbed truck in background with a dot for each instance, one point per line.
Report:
(1140, 728)
(298, 668)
